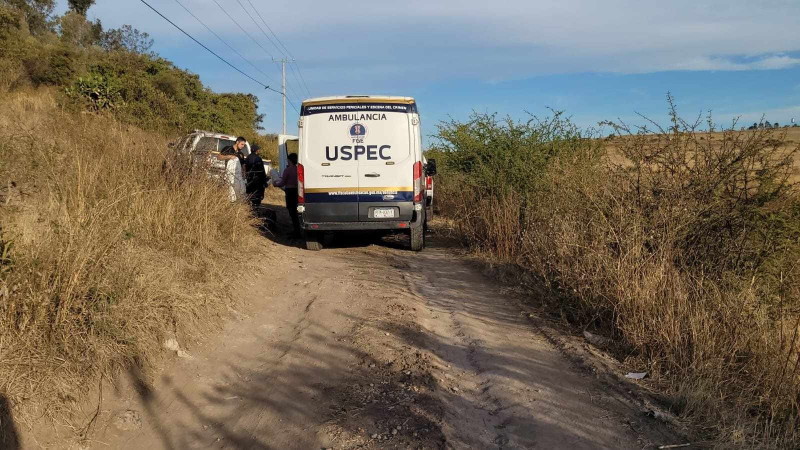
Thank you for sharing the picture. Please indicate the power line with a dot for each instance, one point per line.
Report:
(208, 49)
(291, 103)
(298, 79)
(287, 52)
(223, 40)
(294, 92)
(259, 27)
(302, 78)
(243, 30)
(219, 57)
(250, 35)
(266, 36)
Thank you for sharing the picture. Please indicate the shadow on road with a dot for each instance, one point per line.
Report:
(389, 381)
(9, 437)
(304, 394)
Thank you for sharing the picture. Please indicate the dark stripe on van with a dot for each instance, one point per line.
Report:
(325, 197)
(398, 197)
(358, 107)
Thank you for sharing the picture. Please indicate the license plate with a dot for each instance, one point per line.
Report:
(383, 213)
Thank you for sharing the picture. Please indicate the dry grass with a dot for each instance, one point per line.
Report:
(789, 138)
(104, 253)
(684, 250)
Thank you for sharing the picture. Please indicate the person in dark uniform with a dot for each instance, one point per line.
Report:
(288, 182)
(256, 176)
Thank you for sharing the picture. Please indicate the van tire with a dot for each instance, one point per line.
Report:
(417, 238)
(312, 242)
(428, 217)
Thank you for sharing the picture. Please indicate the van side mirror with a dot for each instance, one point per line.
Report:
(430, 168)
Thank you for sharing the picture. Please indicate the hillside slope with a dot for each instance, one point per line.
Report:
(104, 254)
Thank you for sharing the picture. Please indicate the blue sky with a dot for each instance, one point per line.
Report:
(594, 60)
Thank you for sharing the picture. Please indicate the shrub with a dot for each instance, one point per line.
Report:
(55, 65)
(10, 73)
(682, 248)
(491, 162)
(97, 91)
(485, 148)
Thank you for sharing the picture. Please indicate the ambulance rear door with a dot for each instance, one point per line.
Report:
(330, 176)
(386, 164)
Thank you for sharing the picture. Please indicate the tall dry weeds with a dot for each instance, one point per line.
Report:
(684, 247)
(105, 253)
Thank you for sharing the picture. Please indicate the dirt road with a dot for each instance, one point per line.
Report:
(368, 345)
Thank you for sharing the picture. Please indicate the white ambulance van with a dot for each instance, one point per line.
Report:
(361, 167)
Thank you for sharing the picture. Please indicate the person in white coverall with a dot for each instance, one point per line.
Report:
(234, 175)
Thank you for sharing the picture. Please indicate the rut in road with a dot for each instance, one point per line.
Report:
(373, 346)
(505, 385)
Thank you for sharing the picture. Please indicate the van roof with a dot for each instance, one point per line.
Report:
(358, 99)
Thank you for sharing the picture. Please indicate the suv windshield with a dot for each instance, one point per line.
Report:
(211, 144)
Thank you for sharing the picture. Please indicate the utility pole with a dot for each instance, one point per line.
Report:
(283, 90)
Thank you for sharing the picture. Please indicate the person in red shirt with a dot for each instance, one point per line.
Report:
(288, 182)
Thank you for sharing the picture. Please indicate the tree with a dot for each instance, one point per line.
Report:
(80, 6)
(126, 38)
(37, 13)
(258, 117)
(776, 125)
(76, 30)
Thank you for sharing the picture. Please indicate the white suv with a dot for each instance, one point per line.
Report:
(202, 147)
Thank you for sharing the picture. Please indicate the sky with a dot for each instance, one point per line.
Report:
(596, 61)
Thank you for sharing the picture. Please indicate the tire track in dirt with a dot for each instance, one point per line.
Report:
(504, 385)
(467, 354)
(369, 347)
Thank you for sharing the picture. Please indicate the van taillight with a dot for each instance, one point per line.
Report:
(301, 179)
(418, 181)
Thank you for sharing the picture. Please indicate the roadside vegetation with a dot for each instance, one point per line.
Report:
(107, 246)
(112, 71)
(680, 245)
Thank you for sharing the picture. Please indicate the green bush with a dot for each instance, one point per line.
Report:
(97, 91)
(486, 163)
(55, 65)
(485, 147)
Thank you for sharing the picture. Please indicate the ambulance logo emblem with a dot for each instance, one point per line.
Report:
(358, 131)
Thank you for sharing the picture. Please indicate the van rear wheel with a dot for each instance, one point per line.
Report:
(428, 217)
(313, 241)
(417, 238)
